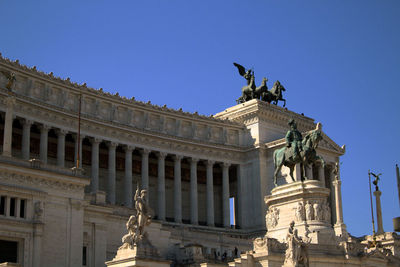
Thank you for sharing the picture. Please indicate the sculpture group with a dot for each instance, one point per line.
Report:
(250, 91)
(298, 150)
(138, 221)
(296, 248)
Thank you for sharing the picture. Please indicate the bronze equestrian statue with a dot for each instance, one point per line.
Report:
(298, 150)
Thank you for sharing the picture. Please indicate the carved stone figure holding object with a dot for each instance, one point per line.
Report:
(296, 249)
(298, 150)
(137, 223)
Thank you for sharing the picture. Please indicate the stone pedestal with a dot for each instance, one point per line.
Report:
(305, 203)
(141, 254)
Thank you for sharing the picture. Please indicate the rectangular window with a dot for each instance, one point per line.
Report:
(84, 256)
(13, 203)
(8, 251)
(22, 208)
(232, 210)
(2, 205)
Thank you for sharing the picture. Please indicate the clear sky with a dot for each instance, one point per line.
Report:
(338, 60)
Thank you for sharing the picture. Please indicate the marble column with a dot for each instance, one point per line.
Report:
(210, 193)
(95, 165)
(225, 195)
(37, 244)
(321, 175)
(111, 173)
(145, 172)
(377, 195)
(44, 135)
(309, 171)
(177, 189)
(194, 206)
(61, 148)
(338, 201)
(161, 186)
(128, 177)
(8, 125)
(80, 150)
(26, 139)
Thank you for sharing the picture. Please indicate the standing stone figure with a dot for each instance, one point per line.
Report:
(327, 212)
(318, 212)
(296, 249)
(299, 213)
(136, 223)
(10, 79)
(309, 211)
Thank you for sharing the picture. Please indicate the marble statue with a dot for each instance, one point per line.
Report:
(137, 223)
(326, 212)
(296, 249)
(317, 212)
(11, 79)
(309, 211)
(299, 212)
(298, 150)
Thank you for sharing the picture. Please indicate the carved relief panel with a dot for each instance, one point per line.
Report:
(105, 110)
(38, 90)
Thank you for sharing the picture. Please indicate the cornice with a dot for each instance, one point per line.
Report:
(116, 98)
(41, 179)
(256, 110)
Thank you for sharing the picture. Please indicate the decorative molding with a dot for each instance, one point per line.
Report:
(39, 182)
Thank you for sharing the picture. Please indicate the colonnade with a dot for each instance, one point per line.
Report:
(128, 177)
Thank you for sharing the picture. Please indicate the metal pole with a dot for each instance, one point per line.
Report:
(79, 131)
(398, 180)
(372, 208)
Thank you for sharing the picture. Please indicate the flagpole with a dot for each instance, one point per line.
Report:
(372, 209)
(79, 132)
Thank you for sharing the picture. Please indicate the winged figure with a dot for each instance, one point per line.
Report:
(247, 74)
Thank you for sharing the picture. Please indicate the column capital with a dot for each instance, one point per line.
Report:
(81, 136)
(226, 164)
(210, 163)
(112, 145)
(336, 182)
(129, 148)
(162, 155)
(96, 140)
(194, 160)
(377, 193)
(44, 127)
(145, 151)
(28, 122)
(62, 132)
(177, 157)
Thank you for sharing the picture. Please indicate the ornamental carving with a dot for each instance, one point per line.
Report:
(41, 182)
(272, 217)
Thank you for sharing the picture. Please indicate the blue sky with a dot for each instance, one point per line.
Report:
(338, 60)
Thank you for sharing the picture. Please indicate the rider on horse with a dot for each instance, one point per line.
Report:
(293, 140)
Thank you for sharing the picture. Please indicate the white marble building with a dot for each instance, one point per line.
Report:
(192, 165)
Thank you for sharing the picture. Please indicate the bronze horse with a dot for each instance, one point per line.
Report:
(275, 94)
(308, 155)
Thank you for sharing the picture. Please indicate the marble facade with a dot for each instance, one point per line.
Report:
(191, 165)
